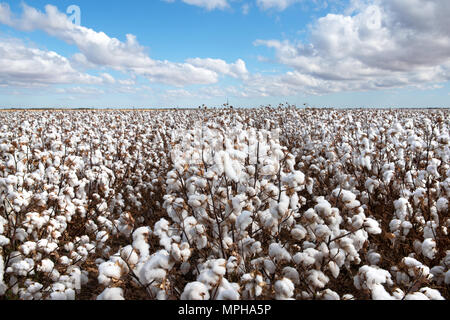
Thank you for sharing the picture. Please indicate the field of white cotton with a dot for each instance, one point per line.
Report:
(223, 204)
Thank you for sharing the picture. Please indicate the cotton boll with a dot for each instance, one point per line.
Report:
(369, 277)
(284, 289)
(180, 253)
(140, 237)
(108, 271)
(438, 273)
(317, 279)
(156, 268)
(416, 296)
(334, 269)
(212, 272)
(322, 232)
(415, 268)
(269, 266)
(374, 258)
(328, 294)
(115, 294)
(372, 226)
(442, 204)
(299, 232)
(28, 247)
(227, 291)
(429, 248)
(429, 231)
(46, 266)
(432, 294)
(58, 296)
(291, 274)
(129, 255)
(395, 224)
(323, 208)
(347, 196)
(380, 293)
(277, 252)
(195, 291)
(244, 220)
(407, 226)
(304, 259)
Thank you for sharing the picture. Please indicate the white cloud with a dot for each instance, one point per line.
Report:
(24, 66)
(282, 5)
(235, 70)
(276, 4)
(86, 91)
(245, 8)
(108, 78)
(98, 49)
(379, 44)
(207, 4)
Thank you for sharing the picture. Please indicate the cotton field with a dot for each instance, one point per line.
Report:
(269, 203)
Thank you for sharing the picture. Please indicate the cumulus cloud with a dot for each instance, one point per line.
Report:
(26, 66)
(235, 70)
(207, 4)
(98, 49)
(379, 44)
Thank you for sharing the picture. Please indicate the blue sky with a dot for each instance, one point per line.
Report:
(161, 53)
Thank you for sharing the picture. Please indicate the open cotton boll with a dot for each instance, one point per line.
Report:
(227, 291)
(322, 231)
(432, 294)
(369, 276)
(416, 296)
(140, 237)
(129, 255)
(277, 252)
(156, 268)
(372, 226)
(317, 279)
(284, 289)
(345, 195)
(415, 267)
(304, 259)
(292, 274)
(323, 207)
(442, 204)
(228, 167)
(108, 271)
(373, 278)
(328, 294)
(299, 232)
(334, 269)
(180, 253)
(429, 248)
(46, 266)
(212, 272)
(379, 293)
(195, 291)
(374, 258)
(244, 220)
(115, 294)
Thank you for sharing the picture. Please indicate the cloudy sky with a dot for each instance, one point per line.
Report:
(169, 53)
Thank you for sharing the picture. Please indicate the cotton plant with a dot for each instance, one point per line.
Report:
(268, 203)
